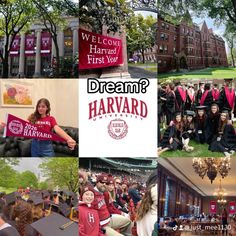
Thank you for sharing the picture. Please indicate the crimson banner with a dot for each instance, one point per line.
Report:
(30, 45)
(232, 208)
(46, 43)
(15, 47)
(98, 51)
(213, 207)
(17, 127)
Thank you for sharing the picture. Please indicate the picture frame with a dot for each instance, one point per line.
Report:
(15, 93)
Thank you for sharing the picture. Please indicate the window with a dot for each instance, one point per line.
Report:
(162, 36)
(174, 38)
(161, 49)
(166, 49)
(163, 25)
(167, 37)
(183, 30)
(167, 26)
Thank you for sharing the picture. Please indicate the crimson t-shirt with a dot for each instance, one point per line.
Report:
(47, 123)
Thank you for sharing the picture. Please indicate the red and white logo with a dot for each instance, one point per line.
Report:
(16, 127)
(117, 129)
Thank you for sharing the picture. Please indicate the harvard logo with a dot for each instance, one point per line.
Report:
(118, 129)
(16, 127)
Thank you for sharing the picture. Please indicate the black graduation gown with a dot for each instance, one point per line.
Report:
(208, 100)
(189, 105)
(200, 130)
(172, 132)
(223, 102)
(198, 97)
(170, 106)
(227, 141)
(180, 103)
(212, 123)
(188, 131)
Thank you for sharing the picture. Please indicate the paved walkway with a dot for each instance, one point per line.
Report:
(136, 72)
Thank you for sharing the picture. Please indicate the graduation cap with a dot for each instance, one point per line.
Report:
(55, 224)
(35, 199)
(45, 193)
(201, 107)
(68, 193)
(228, 80)
(226, 110)
(64, 209)
(214, 103)
(190, 113)
(12, 197)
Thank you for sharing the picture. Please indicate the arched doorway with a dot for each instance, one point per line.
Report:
(183, 63)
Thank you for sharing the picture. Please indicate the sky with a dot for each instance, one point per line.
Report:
(31, 164)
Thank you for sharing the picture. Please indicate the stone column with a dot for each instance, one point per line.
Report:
(60, 41)
(75, 40)
(37, 72)
(22, 56)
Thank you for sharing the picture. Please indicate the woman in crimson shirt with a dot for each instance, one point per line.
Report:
(89, 222)
(42, 118)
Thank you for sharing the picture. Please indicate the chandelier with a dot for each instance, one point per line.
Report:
(220, 193)
(211, 166)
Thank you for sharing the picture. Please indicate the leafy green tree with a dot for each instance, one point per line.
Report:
(50, 13)
(112, 13)
(141, 34)
(43, 185)
(63, 172)
(15, 16)
(230, 35)
(27, 179)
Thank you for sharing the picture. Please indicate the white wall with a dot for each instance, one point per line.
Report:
(63, 97)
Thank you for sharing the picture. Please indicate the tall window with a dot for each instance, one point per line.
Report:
(167, 198)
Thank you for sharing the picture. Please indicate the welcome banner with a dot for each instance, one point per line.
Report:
(30, 41)
(98, 51)
(15, 47)
(232, 208)
(46, 43)
(17, 127)
(213, 207)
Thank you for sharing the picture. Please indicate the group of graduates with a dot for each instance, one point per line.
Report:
(38, 213)
(204, 115)
(113, 206)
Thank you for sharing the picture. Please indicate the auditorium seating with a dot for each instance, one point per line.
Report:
(20, 147)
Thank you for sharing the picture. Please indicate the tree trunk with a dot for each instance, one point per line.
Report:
(142, 51)
(54, 37)
(5, 62)
(232, 56)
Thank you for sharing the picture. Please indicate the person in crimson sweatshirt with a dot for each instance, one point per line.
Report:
(88, 216)
(110, 222)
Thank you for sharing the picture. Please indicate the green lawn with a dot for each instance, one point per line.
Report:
(138, 64)
(200, 150)
(7, 190)
(209, 73)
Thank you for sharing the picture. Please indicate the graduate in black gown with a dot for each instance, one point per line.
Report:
(225, 140)
(227, 98)
(212, 122)
(170, 103)
(188, 130)
(172, 138)
(199, 93)
(181, 95)
(189, 105)
(200, 124)
(207, 98)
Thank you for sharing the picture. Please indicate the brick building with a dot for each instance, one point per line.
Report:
(187, 46)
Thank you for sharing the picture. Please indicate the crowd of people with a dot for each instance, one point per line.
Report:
(111, 205)
(204, 114)
(36, 213)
